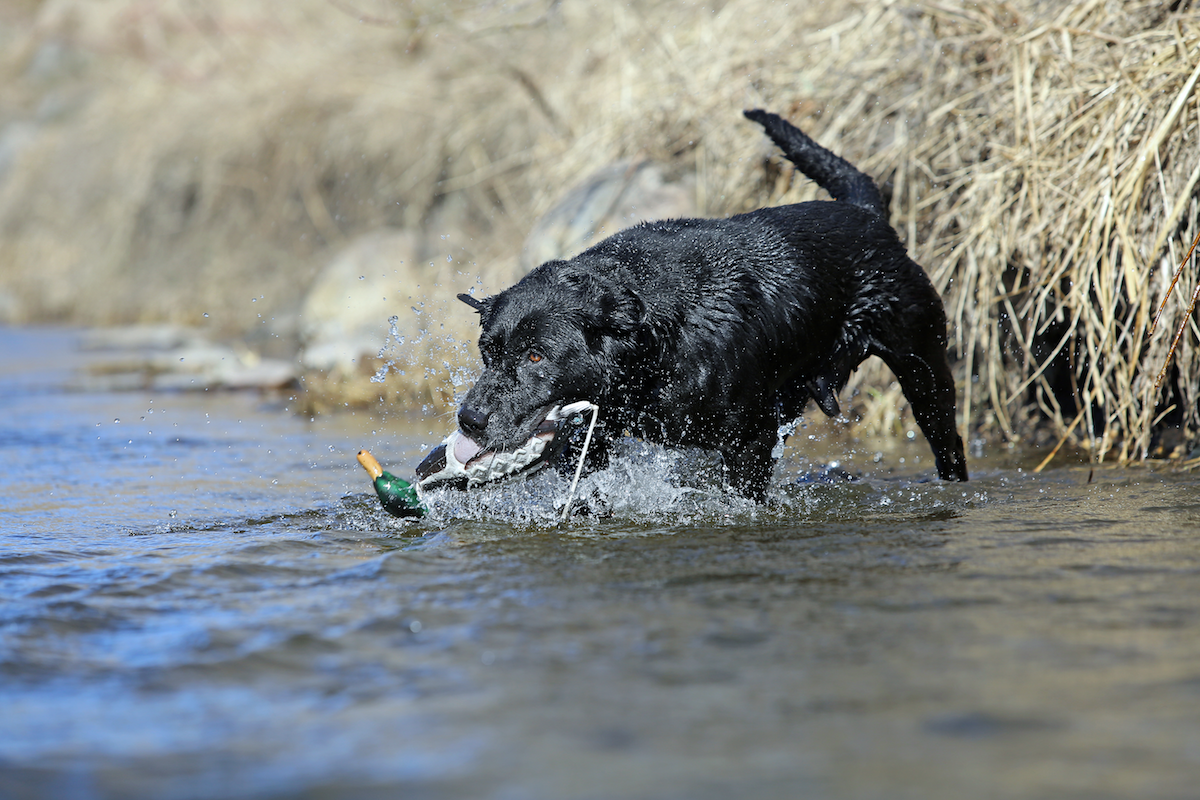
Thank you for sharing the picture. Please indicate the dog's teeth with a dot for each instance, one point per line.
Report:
(503, 464)
(493, 466)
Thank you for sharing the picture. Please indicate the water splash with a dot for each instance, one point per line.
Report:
(785, 430)
(644, 484)
(428, 353)
(648, 485)
(389, 352)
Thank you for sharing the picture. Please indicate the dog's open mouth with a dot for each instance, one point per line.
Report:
(460, 460)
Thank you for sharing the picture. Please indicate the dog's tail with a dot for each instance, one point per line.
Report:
(834, 174)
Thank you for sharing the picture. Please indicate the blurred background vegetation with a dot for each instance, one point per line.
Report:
(202, 164)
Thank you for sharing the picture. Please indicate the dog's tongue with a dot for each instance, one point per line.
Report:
(465, 448)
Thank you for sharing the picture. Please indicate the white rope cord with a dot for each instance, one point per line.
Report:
(587, 440)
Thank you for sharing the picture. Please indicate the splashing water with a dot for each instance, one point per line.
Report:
(782, 435)
(644, 483)
(392, 344)
(647, 484)
(400, 354)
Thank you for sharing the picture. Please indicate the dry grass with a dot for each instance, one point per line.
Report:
(1043, 160)
(1064, 236)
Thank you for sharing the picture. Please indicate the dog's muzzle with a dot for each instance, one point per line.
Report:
(458, 460)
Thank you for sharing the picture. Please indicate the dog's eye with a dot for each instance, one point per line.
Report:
(535, 356)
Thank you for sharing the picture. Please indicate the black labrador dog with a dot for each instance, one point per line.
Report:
(712, 333)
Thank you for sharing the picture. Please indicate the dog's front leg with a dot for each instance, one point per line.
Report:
(748, 458)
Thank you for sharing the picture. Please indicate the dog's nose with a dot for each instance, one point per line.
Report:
(473, 423)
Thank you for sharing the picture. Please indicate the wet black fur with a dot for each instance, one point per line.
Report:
(712, 332)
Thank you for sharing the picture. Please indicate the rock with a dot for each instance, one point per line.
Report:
(345, 314)
(262, 373)
(220, 367)
(382, 325)
(176, 358)
(141, 337)
(612, 199)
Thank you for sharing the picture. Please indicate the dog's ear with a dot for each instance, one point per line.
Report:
(478, 305)
(609, 310)
(626, 313)
(482, 306)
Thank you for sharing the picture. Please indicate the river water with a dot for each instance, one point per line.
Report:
(199, 598)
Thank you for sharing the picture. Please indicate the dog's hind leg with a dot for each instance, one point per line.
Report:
(924, 374)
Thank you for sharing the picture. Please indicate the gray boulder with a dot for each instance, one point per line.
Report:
(344, 317)
(617, 197)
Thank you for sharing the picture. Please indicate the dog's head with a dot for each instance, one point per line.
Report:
(554, 338)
